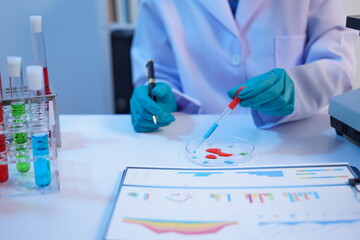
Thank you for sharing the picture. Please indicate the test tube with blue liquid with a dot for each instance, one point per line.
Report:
(18, 113)
(39, 126)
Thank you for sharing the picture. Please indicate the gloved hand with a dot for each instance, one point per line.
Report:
(271, 93)
(142, 107)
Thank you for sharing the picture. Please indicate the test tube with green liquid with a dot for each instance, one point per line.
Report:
(18, 113)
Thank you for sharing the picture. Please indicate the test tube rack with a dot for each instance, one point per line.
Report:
(23, 184)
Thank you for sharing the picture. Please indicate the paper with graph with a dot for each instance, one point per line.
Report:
(294, 202)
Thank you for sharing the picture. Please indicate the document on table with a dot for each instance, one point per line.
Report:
(290, 202)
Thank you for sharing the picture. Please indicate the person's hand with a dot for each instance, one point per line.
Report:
(142, 107)
(271, 93)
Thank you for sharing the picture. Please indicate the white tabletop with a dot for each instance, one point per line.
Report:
(96, 148)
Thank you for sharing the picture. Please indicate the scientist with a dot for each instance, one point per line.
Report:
(291, 55)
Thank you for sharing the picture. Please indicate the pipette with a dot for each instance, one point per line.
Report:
(230, 107)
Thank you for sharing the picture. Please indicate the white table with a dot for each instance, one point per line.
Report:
(96, 148)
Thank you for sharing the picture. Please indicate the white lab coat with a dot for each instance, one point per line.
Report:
(202, 51)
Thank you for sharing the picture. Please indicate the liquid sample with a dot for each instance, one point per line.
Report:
(42, 171)
(211, 156)
(22, 159)
(219, 152)
(18, 111)
(4, 170)
(22, 152)
(46, 81)
(40, 145)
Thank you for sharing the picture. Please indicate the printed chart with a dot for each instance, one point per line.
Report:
(258, 203)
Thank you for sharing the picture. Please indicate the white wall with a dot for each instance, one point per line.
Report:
(354, 9)
(77, 49)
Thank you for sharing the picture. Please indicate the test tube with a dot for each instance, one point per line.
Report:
(18, 112)
(39, 125)
(1, 88)
(4, 170)
(38, 46)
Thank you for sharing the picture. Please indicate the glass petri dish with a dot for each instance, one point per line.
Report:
(220, 152)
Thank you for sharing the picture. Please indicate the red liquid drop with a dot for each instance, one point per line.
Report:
(4, 173)
(210, 156)
(219, 152)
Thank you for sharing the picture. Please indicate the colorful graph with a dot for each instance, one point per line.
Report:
(310, 222)
(260, 196)
(215, 196)
(264, 173)
(178, 197)
(298, 196)
(146, 196)
(133, 194)
(312, 229)
(136, 195)
(320, 170)
(324, 177)
(324, 173)
(181, 227)
(201, 174)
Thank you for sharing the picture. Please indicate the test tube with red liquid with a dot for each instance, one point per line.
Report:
(4, 171)
(38, 46)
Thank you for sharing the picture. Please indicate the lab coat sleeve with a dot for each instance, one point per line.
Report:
(151, 41)
(329, 63)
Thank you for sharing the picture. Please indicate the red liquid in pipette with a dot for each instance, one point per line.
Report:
(46, 81)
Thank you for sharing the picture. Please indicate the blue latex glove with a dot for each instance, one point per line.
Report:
(271, 93)
(143, 107)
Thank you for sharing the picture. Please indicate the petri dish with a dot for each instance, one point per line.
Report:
(220, 152)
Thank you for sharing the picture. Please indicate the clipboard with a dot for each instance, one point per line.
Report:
(267, 202)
